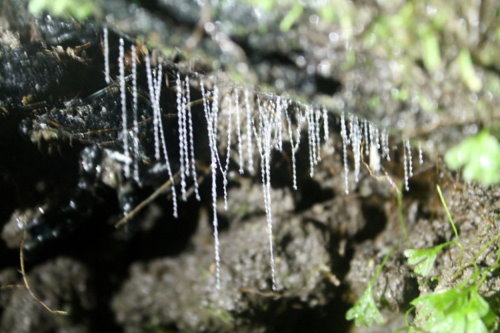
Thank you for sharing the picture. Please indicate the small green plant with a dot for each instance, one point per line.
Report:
(479, 156)
(460, 309)
(220, 314)
(423, 259)
(365, 311)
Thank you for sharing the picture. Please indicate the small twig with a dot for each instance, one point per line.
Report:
(382, 177)
(200, 179)
(153, 196)
(249, 290)
(11, 286)
(27, 285)
(332, 278)
(163, 188)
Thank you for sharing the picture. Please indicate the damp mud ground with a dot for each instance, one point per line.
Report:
(64, 189)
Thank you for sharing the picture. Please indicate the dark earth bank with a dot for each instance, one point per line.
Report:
(64, 188)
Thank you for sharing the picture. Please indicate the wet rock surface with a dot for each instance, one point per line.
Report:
(64, 186)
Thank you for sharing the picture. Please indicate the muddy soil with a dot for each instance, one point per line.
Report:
(64, 187)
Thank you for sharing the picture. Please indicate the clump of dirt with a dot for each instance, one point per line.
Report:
(181, 292)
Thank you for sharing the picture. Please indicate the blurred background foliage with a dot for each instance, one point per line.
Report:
(79, 9)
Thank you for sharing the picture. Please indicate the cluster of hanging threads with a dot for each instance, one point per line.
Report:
(154, 79)
(385, 145)
(191, 157)
(236, 99)
(135, 128)
(408, 163)
(181, 124)
(311, 134)
(224, 167)
(294, 147)
(123, 100)
(107, 79)
(249, 125)
(326, 132)
(211, 118)
(186, 138)
(345, 142)
(315, 124)
(356, 139)
(420, 154)
(264, 145)
(251, 119)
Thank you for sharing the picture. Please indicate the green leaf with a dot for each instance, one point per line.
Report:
(365, 311)
(469, 75)
(291, 17)
(265, 5)
(430, 50)
(455, 310)
(80, 9)
(423, 259)
(479, 156)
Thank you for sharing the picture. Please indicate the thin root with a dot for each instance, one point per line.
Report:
(27, 285)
